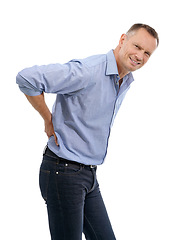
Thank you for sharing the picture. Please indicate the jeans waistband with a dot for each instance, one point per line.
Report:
(55, 158)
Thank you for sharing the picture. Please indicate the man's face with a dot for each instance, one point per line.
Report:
(135, 50)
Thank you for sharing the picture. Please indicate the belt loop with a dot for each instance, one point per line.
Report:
(57, 161)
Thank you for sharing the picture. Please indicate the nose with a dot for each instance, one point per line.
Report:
(139, 56)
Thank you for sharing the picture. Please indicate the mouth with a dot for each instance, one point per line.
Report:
(134, 63)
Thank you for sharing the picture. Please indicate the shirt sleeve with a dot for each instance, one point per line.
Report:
(54, 78)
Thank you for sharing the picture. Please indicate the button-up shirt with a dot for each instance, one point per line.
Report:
(87, 100)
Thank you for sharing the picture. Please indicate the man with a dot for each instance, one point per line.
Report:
(89, 94)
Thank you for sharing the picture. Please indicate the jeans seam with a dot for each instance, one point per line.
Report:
(91, 226)
(45, 191)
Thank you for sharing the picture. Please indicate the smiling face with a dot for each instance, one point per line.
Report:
(134, 50)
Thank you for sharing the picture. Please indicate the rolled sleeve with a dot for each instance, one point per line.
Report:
(26, 87)
(54, 78)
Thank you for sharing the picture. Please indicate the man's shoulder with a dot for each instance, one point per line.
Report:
(94, 60)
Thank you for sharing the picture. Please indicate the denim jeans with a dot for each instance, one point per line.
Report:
(74, 202)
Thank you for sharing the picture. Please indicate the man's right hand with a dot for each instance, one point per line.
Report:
(38, 102)
(49, 129)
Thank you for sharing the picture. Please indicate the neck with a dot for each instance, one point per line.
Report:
(121, 70)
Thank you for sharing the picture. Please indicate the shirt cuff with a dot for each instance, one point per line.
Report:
(29, 92)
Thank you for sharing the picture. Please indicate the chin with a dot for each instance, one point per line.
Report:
(134, 68)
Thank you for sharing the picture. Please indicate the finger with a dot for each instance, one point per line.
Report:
(55, 138)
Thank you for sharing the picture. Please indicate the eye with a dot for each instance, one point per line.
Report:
(136, 46)
(147, 54)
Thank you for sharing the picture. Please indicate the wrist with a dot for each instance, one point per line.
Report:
(48, 118)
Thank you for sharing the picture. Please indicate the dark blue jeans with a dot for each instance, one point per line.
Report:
(73, 199)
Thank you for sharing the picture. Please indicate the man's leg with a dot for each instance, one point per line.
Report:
(61, 187)
(64, 188)
(97, 225)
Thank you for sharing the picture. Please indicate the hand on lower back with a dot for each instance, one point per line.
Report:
(38, 102)
(49, 129)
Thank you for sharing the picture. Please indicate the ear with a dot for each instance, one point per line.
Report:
(122, 39)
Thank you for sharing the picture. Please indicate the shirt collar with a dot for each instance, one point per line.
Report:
(111, 67)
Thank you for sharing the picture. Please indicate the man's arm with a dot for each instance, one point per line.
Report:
(38, 102)
(57, 78)
(54, 78)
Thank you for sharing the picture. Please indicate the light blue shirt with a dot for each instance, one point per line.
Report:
(87, 101)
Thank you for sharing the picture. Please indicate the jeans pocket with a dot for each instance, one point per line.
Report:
(44, 182)
(69, 170)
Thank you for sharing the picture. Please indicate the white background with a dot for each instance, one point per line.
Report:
(138, 179)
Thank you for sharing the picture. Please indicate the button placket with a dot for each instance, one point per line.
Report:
(116, 81)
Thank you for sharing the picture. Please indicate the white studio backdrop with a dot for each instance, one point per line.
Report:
(138, 179)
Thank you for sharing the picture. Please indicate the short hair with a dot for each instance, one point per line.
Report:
(149, 29)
